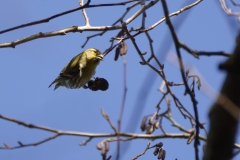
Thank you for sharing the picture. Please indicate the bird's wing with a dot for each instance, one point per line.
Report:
(72, 68)
(82, 62)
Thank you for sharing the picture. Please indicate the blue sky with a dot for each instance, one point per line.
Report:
(28, 70)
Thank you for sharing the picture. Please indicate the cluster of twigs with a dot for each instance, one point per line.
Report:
(228, 10)
(151, 122)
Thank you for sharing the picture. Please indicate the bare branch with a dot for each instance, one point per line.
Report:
(64, 13)
(174, 123)
(170, 15)
(203, 53)
(105, 115)
(21, 145)
(109, 157)
(58, 133)
(83, 143)
(29, 125)
(84, 13)
(228, 10)
(161, 127)
(139, 155)
(75, 29)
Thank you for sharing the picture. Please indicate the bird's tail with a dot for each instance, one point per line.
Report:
(58, 81)
(52, 83)
(57, 85)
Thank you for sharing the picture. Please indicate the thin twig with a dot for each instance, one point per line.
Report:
(161, 127)
(139, 155)
(109, 157)
(83, 143)
(22, 145)
(170, 15)
(203, 53)
(123, 101)
(111, 48)
(144, 62)
(87, 23)
(174, 123)
(119, 20)
(228, 10)
(105, 115)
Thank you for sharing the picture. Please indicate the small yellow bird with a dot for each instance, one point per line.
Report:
(79, 70)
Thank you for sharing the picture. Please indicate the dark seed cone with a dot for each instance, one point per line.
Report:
(98, 84)
(102, 84)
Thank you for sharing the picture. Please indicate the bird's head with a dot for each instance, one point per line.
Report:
(94, 54)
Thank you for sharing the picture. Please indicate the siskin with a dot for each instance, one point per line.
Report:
(79, 70)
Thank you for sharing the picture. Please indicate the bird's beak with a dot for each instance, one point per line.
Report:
(100, 57)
